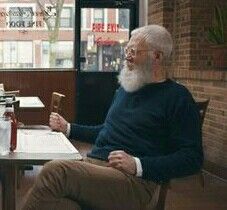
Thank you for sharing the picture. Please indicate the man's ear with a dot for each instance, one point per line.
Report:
(157, 56)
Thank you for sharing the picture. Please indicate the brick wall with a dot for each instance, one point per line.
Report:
(193, 65)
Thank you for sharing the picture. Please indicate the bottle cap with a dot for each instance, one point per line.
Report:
(9, 100)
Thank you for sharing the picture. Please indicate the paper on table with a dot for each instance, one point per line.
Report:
(30, 102)
(43, 141)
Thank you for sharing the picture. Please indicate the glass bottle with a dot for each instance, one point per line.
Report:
(9, 113)
(2, 92)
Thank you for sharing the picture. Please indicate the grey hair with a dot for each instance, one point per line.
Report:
(156, 37)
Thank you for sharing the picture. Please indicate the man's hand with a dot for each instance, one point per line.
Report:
(57, 122)
(121, 160)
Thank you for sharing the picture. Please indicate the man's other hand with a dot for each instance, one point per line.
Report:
(121, 160)
(57, 122)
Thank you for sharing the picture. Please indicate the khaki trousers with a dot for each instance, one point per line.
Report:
(90, 185)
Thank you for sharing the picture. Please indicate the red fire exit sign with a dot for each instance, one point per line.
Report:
(110, 27)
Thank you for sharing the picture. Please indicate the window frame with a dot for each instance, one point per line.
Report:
(127, 4)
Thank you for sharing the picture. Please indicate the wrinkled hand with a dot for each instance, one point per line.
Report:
(57, 122)
(122, 161)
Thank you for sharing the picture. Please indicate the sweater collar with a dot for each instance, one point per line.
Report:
(150, 85)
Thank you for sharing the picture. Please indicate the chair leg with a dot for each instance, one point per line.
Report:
(169, 186)
(21, 172)
(202, 179)
(19, 177)
(159, 197)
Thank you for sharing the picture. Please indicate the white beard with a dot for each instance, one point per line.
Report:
(133, 80)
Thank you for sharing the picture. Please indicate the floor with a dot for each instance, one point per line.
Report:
(185, 194)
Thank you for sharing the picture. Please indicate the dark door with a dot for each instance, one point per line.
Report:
(102, 33)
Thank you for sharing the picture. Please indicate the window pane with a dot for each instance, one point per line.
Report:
(10, 52)
(83, 18)
(98, 15)
(124, 18)
(102, 42)
(62, 51)
(1, 54)
(66, 23)
(36, 34)
(66, 18)
(24, 47)
(66, 13)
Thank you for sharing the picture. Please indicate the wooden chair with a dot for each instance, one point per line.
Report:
(56, 102)
(9, 92)
(161, 191)
(12, 92)
(202, 106)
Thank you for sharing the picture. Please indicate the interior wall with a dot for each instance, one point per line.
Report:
(42, 84)
(192, 64)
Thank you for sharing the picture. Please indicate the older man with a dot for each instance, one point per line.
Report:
(151, 134)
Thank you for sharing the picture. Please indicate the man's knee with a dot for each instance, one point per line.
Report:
(52, 173)
(52, 167)
(53, 177)
(61, 169)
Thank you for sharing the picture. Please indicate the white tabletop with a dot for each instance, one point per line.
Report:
(43, 141)
(30, 102)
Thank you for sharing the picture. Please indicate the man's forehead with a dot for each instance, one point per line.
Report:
(137, 40)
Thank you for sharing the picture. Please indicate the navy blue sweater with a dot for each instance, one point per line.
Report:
(159, 123)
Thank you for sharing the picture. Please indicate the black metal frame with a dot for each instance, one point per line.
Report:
(91, 106)
(133, 5)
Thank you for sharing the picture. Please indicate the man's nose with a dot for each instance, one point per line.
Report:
(129, 58)
(128, 55)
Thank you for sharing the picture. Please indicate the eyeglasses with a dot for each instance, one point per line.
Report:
(134, 51)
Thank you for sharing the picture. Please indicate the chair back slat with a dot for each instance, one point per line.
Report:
(56, 102)
(12, 92)
(202, 106)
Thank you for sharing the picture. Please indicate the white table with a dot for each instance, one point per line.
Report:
(30, 102)
(10, 163)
